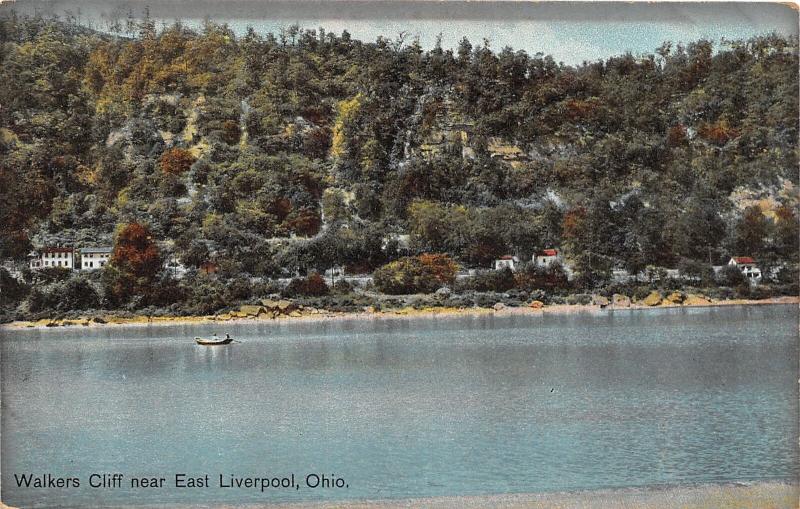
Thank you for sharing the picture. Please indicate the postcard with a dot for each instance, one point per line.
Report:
(402, 253)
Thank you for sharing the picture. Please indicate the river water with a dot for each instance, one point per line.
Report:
(397, 408)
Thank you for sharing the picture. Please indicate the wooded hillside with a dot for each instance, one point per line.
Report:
(224, 143)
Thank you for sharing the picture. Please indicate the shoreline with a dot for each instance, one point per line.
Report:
(112, 320)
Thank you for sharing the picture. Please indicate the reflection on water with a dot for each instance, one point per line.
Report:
(209, 355)
(401, 407)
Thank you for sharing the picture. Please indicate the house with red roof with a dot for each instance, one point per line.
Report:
(506, 261)
(545, 257)
(748, 267)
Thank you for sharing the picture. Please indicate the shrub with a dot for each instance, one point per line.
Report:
(238, 289)
(486, 300)
(342, 287)
(490, 281)
(787, 274)
(720, 293)
(579, 298)
(206, 299)
(416, 274)
(640, 292)
(51, 274)
(541, 296)
(743, 290)
(762, 292)
(312, 286)
(77, 293)
(731, 276)
(552, 277)
(73, 294)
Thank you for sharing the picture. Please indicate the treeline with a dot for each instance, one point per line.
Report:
(225, 143)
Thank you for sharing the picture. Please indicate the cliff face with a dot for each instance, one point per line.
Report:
(440, 127)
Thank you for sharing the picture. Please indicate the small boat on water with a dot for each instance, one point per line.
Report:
(214, 340)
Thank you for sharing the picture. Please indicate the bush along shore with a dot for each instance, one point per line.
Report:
(354, 303)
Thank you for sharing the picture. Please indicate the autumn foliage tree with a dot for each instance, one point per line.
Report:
(134, 263)
(176, 161)
(719, 132)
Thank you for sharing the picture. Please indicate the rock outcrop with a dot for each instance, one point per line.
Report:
(696, 300)
(676, 297)
(252, 311)
(621, 301)
(654, 299)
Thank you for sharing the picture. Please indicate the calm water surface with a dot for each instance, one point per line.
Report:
(399, 408)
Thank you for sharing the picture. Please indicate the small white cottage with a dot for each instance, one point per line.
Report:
(506, 261)
(748, 267)
(545, 257)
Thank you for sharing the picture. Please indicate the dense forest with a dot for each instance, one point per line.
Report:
(275, 155)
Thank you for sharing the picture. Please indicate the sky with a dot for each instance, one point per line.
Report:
(571, 32)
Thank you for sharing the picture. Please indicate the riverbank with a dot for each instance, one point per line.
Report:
(763, 495)
(314, 314)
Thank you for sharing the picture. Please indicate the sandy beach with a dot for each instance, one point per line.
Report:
(111, 320)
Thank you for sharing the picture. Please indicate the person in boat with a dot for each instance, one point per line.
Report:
(227, 336)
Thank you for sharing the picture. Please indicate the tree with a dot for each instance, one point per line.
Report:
(418, 274)
(134, 263)
(787, 232)
(435, 227)
(750, 232)
(696, 270)
(732, 276)
(176, 161)
(335, 206)
(11, 290)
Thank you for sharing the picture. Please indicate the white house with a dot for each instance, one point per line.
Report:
(335, 271)
(175, 267)
(93, 258)
(506, 261)
(748, 267)
(53, 257)
(545, 257)
(401, 240)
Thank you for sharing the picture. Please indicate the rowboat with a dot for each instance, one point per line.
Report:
(214, 340)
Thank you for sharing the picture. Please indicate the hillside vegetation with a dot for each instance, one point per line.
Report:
(222, 145)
